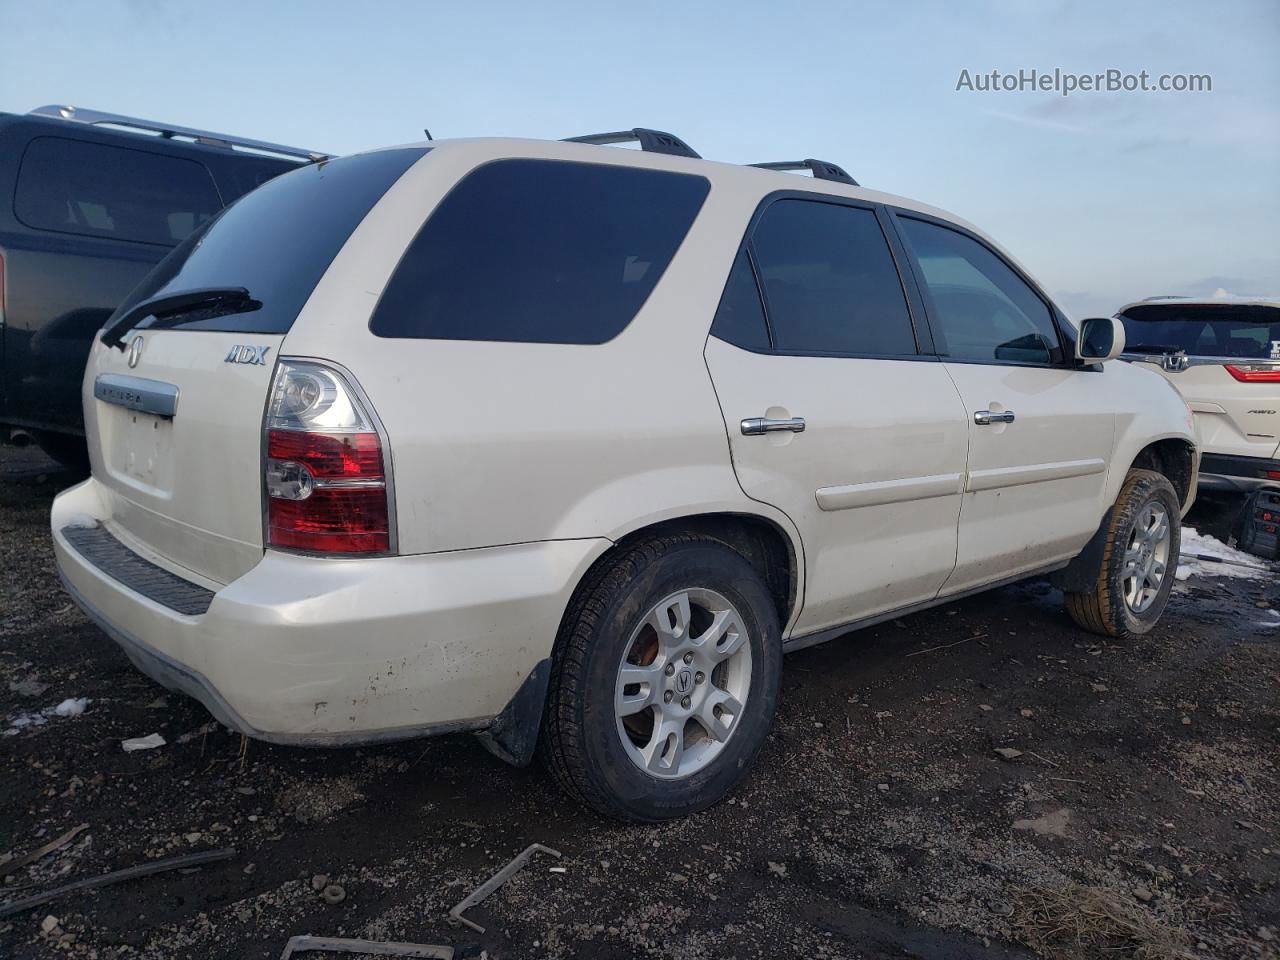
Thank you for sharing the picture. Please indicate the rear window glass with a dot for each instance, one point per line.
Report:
(1207, 330)
(97, 190)
(540, 251)
(740, 318)
(829, 280)
(278, 240)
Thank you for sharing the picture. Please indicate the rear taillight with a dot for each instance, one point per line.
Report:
(1254, 372)
(326, 471)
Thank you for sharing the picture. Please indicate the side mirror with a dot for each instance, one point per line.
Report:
(1101, 338)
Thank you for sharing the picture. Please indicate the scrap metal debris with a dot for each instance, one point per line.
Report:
(494, 882)
(344, 945)
(8, 866)
(118, 876)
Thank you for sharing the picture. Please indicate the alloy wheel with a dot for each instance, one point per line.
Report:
(683, 683)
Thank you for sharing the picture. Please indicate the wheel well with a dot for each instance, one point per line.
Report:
(1173, 458)
(760, 542)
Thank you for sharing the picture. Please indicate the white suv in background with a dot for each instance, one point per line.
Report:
(1223, 355)
(566, 445)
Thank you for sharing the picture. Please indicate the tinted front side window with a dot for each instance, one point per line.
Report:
(278, 240)
(103, 191)
(985, 310)
(540, 251)
(829, 281)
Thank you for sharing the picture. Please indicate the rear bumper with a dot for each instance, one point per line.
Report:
(321, 652)
(1228, 473)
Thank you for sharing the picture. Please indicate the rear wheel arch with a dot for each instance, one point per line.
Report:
(774, 553)
(762, 542)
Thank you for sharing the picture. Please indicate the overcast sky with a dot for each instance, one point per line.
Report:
(1106, 197)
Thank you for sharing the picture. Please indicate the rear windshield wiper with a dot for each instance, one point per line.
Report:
(172, 309)
(1152, 348)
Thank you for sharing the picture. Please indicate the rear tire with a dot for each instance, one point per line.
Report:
(1138, 562)
(70, 450)
(669, 632)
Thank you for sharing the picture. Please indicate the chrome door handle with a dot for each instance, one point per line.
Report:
(984, 418)
(758, 425)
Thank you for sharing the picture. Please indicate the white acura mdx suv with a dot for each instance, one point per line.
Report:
(567, 444)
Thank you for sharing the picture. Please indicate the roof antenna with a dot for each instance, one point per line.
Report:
(428, 133)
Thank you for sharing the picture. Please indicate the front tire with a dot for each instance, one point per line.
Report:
(664, 680)
(1139, 561)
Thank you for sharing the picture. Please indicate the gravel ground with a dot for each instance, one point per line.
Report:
(1141, 817)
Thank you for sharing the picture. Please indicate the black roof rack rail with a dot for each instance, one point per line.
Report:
(652, 141)
(821, 169)
(169, 132)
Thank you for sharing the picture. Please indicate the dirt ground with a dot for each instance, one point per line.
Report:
(1141, 819)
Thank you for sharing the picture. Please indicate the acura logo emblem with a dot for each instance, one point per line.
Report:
(684, 681)
(135, 351)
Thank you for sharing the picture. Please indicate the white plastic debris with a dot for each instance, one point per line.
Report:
(143, 743)
(72, 707)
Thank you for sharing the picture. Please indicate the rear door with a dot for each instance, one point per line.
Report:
(1230, 374)
(175, 417)
(815, 331)
(91, 220)
(1040, 430)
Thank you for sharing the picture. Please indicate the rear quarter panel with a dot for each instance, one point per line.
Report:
(498, 443)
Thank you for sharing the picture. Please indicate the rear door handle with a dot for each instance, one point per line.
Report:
(984, 418)
(755, 426)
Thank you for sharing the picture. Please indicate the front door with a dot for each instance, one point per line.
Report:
(833, 414)
(1040, 429)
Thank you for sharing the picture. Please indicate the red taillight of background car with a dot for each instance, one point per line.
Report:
(1254, 372)
(325, 472)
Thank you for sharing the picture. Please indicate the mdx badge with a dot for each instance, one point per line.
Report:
(247, 353)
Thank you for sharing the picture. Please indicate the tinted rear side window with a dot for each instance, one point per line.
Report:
(278, 240)
(540, 251)
(98, 190)
(740, 317)
(1243, 330)
(830, 283)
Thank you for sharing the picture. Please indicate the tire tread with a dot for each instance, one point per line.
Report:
(1099, 610)
(562, 735)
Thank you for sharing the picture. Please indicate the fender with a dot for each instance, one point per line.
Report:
(1081, 574)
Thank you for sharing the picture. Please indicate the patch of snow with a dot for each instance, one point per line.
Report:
(1206, 556)
(19, 722)
(81, 521)
(67, 708)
